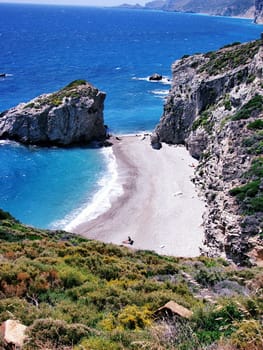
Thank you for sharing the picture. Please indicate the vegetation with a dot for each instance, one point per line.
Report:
(73, 292)
(203, 121)
(230, 57)
(252, 107)
(250, 195)
(69, 91)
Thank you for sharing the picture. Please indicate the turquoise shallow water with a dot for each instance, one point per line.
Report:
(43, 48)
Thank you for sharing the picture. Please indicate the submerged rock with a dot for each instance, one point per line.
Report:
(73, 115)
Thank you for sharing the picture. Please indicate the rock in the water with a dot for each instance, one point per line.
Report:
(73, 115)
(13, 333)
(155, 141)
(156, 77)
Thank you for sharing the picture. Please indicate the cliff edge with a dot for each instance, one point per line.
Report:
(215, 108)
(259, 11)
(72, 115)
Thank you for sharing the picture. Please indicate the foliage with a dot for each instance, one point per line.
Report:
(230, 57)
(250, 195)
(253, 106)
(92, 295)
(248, 335)
(203, 121)
(256, 125)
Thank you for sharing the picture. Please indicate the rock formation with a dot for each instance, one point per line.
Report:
(215, 108)
(13, 334)
(240, 8)
(259, 11)
(72, 115)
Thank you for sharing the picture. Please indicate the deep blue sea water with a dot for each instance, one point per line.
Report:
(43, 48)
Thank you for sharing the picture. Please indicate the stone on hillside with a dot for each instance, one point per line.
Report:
(171, 309)
(13, 333)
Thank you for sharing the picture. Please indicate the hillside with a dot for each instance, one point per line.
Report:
(74, 292)
(215, 107)
(238, 8)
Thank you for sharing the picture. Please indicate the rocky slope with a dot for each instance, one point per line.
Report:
(240, 8)
(259, 11)
(215, 107)
(70, 116)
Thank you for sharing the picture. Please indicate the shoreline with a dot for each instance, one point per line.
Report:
(159, 207)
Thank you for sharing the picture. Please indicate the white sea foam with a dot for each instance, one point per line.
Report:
(9, 142)
(160, 93)
(110, 188)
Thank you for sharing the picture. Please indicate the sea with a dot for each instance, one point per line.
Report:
(43, 48)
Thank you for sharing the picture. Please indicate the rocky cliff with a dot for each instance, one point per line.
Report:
(259, 11)
(240, 8)
(72, 115)
(215, 107)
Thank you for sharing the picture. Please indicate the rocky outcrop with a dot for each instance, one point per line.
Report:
(156, 77)
(13, 334)
(73, 115)
(240, 8)
(215, 108)
(259, 11)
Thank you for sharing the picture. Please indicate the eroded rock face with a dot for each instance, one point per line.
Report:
(73, 115)
(259, 11)
(207, 92)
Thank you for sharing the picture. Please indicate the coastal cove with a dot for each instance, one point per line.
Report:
(116, 50)
(159, 207)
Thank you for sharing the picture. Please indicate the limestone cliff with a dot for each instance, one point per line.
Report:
(240, 8)
(215, 107)
(259, 11)
(72, 115)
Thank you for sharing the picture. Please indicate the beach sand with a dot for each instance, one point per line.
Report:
(159, 208)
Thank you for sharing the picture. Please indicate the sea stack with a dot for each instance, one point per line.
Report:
(72, 115)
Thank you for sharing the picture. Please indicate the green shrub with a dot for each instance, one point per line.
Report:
(203, 121)
(98, 343)
(248, 336)
(4, 215)
(256, 125)
(76, 83)
(255, 105)
(132, 317)
(56, 332)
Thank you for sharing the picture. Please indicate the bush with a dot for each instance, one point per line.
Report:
(57, 332)
(248, 336)
(96, 343)
(132, 317)
(255, 105)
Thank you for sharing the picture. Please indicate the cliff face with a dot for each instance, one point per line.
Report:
(70, 116)
(259, 11)
(215, 107)
(244, 8)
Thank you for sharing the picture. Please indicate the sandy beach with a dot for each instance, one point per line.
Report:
(159, 208)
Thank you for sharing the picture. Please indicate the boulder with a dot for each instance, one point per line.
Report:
(156, 77)
(13, 333)
(72, 115)
(155, 141)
